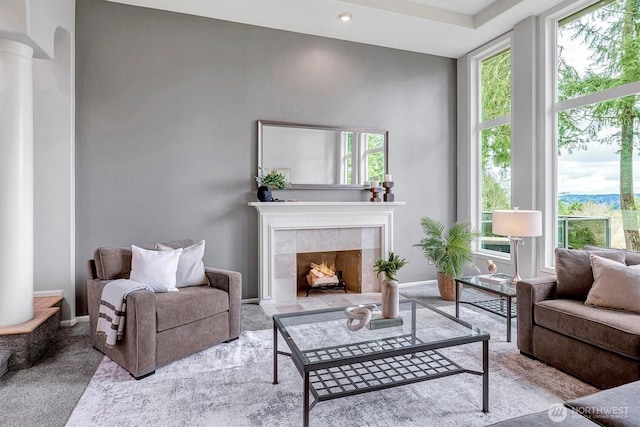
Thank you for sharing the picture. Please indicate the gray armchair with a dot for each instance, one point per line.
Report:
(163, 327)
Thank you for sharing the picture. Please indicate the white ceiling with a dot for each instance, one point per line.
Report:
(440, 27)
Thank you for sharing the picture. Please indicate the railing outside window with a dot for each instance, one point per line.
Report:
(576, 231)
(573, 233)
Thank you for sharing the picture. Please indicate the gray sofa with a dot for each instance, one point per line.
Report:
(163, 327)
(616, 407)
(600, 346)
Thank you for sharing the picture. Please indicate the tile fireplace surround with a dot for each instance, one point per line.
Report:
(286, 228)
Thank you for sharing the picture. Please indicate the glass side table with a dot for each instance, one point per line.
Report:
(502, 306)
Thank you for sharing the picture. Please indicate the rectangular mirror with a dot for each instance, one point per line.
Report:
(323, 157)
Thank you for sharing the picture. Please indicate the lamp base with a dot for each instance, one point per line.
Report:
(516, 276)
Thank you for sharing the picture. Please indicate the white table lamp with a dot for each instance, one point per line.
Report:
(517, 224)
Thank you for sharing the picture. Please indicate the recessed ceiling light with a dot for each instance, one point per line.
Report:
(345, 17)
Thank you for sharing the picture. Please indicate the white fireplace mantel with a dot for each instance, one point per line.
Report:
(283, 216)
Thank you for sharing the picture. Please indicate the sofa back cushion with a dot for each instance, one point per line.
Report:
(115, 262)
(112, 263)
(574, 273)
(631, 258)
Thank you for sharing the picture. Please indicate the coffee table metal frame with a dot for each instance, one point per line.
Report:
(502, 306)
(346, 370)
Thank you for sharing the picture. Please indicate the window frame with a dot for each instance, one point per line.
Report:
(345, 156)
(476, 127)
(549, 109)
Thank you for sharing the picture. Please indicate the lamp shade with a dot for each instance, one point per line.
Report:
(517, 223)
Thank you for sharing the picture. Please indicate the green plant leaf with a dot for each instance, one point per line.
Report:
(449, 250)
(389, 266)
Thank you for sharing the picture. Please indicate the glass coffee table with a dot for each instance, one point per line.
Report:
(335, 362)
(502, 306)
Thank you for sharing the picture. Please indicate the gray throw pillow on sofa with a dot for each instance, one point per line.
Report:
(615, 285)
(574, 273)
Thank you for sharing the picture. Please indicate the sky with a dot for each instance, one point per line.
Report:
(594, 171)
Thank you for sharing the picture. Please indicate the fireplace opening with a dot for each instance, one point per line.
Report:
(330, 269)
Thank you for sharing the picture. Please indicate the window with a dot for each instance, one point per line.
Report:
(494, 136)
(596, 121)
(373, 156)
(369, 147)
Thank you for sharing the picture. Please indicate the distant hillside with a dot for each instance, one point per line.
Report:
(612, 200)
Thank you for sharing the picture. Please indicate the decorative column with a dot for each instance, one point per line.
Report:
(16, 182)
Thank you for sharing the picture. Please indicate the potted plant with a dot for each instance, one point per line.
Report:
(272, 180)
(449, 250)
(389, 285)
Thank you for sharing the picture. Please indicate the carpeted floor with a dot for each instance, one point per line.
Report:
(231, 385)
(46, 394)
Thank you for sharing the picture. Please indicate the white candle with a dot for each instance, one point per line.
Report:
(367, 184)
(375, 184)
(388, 178)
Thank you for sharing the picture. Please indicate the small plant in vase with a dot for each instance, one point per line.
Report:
(389, 286)
(389, 266)
(272, 180)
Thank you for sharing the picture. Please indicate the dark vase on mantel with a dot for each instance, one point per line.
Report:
(264, 194)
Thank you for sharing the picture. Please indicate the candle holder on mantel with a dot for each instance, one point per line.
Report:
(375, 191)
(388, 195)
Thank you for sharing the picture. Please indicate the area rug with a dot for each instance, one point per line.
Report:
(231, 385)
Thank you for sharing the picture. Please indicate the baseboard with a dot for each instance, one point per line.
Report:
(54, 293)
(422, 282)
(251, 301)
(75, 320)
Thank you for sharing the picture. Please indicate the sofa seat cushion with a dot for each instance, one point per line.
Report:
(543, 419)
(616, 331)
(615, 407)
(190, 304)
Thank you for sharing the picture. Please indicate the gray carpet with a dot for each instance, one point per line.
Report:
(45, 394)
(230, 385)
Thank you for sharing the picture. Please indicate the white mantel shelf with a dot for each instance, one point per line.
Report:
(268, 207)
(282, 216)
(368, 204)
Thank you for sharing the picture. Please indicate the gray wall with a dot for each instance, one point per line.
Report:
(167, 106)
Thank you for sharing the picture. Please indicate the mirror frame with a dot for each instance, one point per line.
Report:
(385, 133)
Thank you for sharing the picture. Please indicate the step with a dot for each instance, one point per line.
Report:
(4, 361)
(28, 341)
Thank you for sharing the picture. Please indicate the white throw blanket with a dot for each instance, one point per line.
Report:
(113, 306)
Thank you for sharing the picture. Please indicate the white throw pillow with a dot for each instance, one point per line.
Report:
(615, 285)
(154, 268)
(190, 268)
